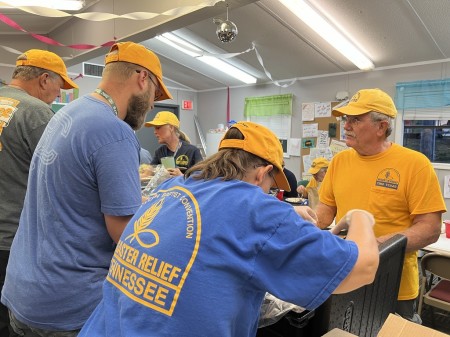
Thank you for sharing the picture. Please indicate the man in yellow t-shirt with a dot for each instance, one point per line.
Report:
(397, 185)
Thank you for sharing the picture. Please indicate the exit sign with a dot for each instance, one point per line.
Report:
(187, 105)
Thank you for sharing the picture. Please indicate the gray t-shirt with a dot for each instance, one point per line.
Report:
(23, 119)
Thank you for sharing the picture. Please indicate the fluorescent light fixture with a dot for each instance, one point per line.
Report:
(70, 5)
(191, 50)
(303, 10)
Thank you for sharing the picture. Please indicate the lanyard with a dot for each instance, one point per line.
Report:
(178, 147)
(109, 99)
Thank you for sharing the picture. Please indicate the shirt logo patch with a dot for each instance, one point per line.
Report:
(388, 178)
(8, 107)
(143, 267)
(182, 160)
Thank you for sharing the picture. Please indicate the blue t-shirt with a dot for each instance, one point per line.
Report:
(85, 166)
(198, 258)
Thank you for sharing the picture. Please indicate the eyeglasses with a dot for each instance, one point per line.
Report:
(352, 120)
(158, 92)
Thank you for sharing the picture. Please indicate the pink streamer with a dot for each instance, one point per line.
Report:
(48, 40)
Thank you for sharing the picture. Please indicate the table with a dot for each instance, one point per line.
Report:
(442, 245)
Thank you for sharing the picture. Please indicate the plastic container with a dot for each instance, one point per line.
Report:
(447, 228)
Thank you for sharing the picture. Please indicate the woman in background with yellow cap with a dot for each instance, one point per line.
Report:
(175, 143)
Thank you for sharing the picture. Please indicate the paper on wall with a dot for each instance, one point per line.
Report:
(341, 130)
(307, 160)
(322, 139)
(337, 146)
(322, 109)
(310, 130)
(294, 146)
(307, 112)
(446, 186)
(320, 152)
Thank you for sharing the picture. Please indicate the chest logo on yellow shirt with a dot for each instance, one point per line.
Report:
(388, 178)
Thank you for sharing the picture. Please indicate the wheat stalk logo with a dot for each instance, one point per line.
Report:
(141, 224)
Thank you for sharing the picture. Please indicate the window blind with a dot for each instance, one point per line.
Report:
(268, 105)
(423, 100)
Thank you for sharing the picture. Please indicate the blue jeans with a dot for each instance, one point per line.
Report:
(27, 331)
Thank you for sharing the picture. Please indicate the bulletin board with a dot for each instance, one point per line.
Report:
(329, 124)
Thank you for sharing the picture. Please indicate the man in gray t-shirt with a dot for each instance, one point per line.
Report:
(24, 113)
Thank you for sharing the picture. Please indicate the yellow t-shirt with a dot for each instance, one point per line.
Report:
(394, 186)
(312, 183)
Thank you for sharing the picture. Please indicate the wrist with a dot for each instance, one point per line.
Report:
(349, 215)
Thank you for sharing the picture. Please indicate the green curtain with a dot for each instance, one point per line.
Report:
(268, 105)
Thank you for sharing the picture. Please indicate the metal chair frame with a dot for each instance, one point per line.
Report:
(435, 268)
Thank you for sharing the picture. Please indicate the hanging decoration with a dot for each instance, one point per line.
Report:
(48, 40)
(260, 60)
(189, 6)
(226, 30)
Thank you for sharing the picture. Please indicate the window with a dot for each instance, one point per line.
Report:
(425, 108)
(432, 138)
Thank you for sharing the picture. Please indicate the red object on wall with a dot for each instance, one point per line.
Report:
(187, 105)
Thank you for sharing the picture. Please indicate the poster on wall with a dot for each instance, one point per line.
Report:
(322, 139)
(308, 112)
(447, 187)
(310, 130)
(308, 143)
(294, 145)
(322, 109)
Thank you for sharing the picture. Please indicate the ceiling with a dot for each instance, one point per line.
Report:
(392, 33)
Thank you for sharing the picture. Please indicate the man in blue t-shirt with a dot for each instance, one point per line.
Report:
(199, 256)
(83, 189)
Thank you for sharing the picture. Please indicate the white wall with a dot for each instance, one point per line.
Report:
(212, 104)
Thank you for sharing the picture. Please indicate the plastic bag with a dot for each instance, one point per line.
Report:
(161, 174)
(273, 309)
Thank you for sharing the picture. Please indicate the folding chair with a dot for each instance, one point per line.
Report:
(435, 284)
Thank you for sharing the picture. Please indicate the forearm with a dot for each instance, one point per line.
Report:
(360, 231)
(115, 225)
(325, 215)
(424, 231)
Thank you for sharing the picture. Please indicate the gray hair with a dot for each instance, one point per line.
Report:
(28, 73)
(378, 117)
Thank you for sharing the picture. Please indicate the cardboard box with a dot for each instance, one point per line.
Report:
(338, 333)
(395, 326)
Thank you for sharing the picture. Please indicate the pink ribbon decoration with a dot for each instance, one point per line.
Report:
(48, 40)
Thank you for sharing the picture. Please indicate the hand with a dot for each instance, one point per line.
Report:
(344, 223)
(174, 172)
(301, 190)
(306, 213)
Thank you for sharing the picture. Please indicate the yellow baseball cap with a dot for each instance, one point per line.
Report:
(261, 142)
(367, 100)
(317, 164)
(137, 54)
(46, 60)
(163, 118)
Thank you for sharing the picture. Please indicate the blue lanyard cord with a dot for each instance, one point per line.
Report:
(109, 99)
